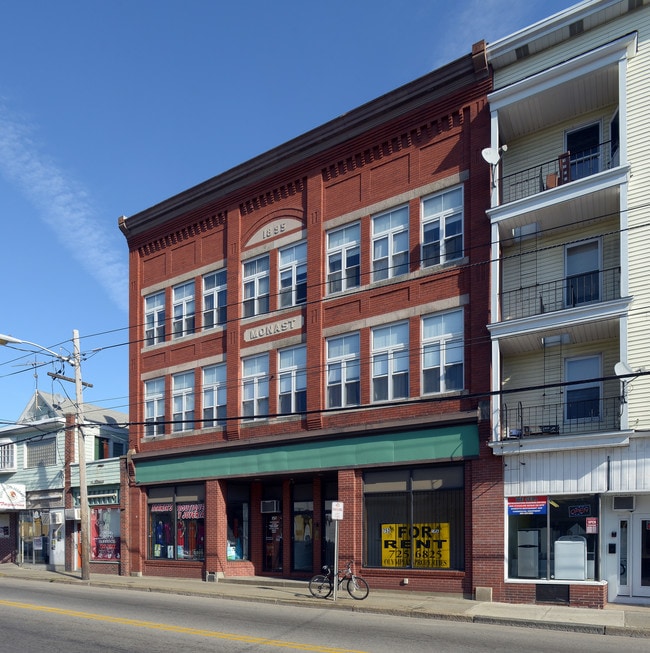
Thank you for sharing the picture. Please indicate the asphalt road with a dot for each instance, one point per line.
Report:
(73, 619)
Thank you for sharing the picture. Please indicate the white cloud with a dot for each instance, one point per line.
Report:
(63, 204)
(475, 20)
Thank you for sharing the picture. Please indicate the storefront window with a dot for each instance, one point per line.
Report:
(303, 527)
(105, 533)
(238, 510)
(415, 518)
(553, 538)
(177, 522)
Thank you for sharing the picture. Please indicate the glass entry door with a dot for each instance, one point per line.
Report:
(641, 554)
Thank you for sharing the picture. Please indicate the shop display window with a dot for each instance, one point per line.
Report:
(105, 533)
(177, 523)
(414, 518)
(238, 512)
(553, 538)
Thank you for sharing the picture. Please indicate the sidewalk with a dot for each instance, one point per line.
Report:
(615, 619)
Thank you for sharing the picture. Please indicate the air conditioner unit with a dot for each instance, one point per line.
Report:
(270, 506)
(623, 503)
(73, 514)
(56, 517)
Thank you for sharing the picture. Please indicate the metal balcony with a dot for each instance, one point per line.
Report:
(588, 288)
(567, 167)
(521, 420)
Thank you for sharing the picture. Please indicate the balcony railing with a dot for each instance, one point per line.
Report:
(577, 290)
(569, 166)
(572, 417)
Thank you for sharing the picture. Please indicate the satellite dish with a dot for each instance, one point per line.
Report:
(491, 155)
(622, 369)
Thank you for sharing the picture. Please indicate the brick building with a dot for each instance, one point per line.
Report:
(310, 327)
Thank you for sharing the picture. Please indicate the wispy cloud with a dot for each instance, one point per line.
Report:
(475, 20)
(63, 204)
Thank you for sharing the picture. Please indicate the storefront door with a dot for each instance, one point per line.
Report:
(273, 542)
(34, 540)
(641, 555)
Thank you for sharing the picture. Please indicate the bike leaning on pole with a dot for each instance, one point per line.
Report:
(322, 585)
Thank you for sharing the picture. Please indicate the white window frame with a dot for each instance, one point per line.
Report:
(183, 309)
(292, 380)
(293, 275)
(390, 243)
(215, 395)
(583, 273)
(183, 401)
(214, 299)
(256, 286)
(8, 457)
(572, 375)
(390, 362)
(584, 164)
(154, 407)
(154, 318)
(344, 370)
(255, 386)
(344, 258)
(442, 227)
(443, 350)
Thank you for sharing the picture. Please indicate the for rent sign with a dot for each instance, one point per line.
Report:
(419, 545)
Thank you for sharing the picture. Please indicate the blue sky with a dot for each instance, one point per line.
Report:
(107, 108)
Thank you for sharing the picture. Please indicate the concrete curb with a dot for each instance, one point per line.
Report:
(417, 606)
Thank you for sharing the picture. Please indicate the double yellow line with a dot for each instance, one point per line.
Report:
(178, 629)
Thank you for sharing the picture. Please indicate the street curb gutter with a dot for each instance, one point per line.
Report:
(414, 612)
(544, 625)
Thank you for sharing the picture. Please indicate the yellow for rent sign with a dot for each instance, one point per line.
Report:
(419, 545)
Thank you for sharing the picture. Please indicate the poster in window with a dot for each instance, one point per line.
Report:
(421, 545)
(105, 529)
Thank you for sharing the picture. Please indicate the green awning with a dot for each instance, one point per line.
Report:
(444, 444)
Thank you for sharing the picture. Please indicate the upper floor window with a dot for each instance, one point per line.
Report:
(442, 227)
(183, 322)
(154, 318)
(390, 362)
(183, 402)
(390, 244)
(256, 286)
(343, 380)
(583, 399)
(41, 453)
(583, 146)
(214, 299)
(343, 258)
(107, 448)
(154, 407)
(7, 457)
(255, 386)
(292, 371)
(582, 273)
(214, 395)
(293, 275)
(442, 352)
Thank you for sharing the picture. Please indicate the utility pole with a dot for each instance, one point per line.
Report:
(75, 361)
(81, 447)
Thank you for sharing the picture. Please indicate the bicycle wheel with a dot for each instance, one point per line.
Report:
(320, 586)
(358, 588)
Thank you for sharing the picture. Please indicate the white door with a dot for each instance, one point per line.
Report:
(641, 555)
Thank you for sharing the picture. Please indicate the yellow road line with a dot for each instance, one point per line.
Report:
(179, 629)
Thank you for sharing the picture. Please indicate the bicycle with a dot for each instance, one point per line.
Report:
(322, 585)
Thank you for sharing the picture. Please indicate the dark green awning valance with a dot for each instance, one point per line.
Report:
(442, 444)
